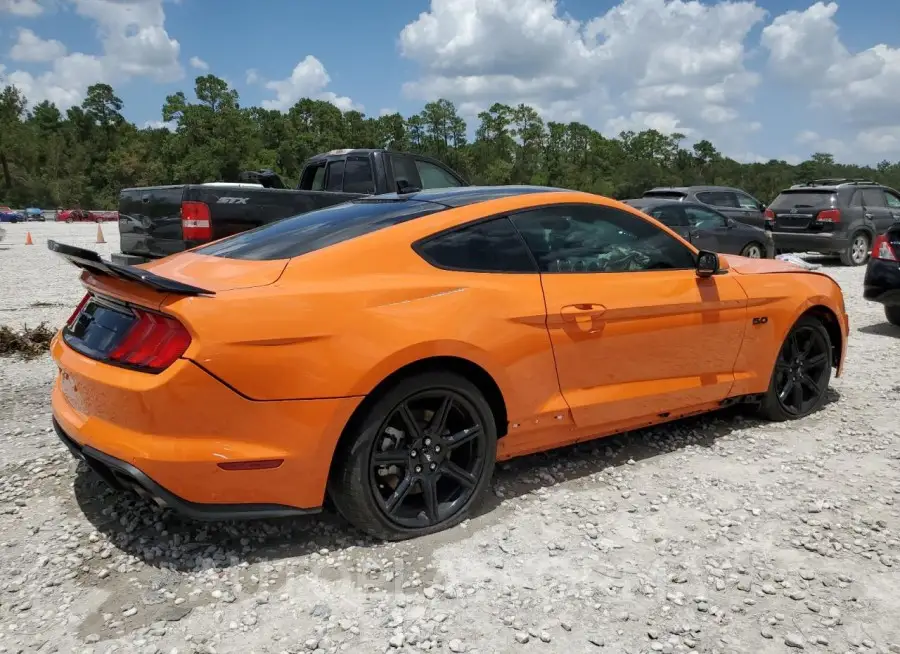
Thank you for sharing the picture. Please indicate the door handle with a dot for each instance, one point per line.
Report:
(572, 311)
(869, 216)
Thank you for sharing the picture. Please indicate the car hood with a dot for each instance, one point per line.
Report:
(216, 273)
(747, 266)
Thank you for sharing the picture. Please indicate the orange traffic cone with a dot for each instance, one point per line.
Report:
(100, 238)
(28, 240)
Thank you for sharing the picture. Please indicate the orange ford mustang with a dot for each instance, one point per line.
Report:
(387, 351)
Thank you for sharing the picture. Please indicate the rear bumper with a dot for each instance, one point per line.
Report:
(121, 475)
(168, 433)
(882, 282)
(810, 242)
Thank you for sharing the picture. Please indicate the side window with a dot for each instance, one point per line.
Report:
(671, 216)
(335, 177)
(719, 199)
(891, 200)
(704, 218)
(856, 200)
(746, 202)
(489, 246)
(358, 176)
(313, 178)
(434, 176)
(593, 238)
(405, 170)
(873, 197)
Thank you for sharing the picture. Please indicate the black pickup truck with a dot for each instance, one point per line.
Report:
(157, 221)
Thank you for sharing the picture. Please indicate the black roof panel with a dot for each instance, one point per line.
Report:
(464, 195)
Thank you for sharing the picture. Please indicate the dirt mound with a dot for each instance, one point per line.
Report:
(29, 342)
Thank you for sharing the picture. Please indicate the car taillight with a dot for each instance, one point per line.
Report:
(769, 217)
(829, 216)
(153, 342)
(195, 221)
(74, 316)
(882, 249)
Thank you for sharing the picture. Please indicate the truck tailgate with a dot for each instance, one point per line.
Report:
(150, 221)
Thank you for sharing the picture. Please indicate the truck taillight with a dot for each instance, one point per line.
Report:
(74, 316)
(882, 249)
(195, 221)
(829, 216)
(153, 342)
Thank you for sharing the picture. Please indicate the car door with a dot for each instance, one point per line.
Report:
(725, 202)
(751, 211)
(635, 332)
(675, 218)
(876, 209)
(892, 201)
(713, 230)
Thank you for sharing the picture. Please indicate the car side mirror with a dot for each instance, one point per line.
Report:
(708, 264)
(763, 207)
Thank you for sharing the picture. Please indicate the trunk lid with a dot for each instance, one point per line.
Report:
(796, 210)
(217, 274)
(150, 221)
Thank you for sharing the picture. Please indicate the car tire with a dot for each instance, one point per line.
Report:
(892, 313)
(377, 450)
(793, 369)
(754, 250)
(857, 251)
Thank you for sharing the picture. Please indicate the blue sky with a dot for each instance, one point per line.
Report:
(761, 79)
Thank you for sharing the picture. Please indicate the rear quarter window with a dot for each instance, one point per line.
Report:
(292, 237)
(674, 195)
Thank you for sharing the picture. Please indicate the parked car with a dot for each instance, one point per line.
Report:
(387, 350)
(158, 221)
(12, 217)
(882, 280)
(34, 214)
(75, 215)
(833, 216)
(732, 202)
(706, 228)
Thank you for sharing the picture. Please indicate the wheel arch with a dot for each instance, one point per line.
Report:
(829, 320)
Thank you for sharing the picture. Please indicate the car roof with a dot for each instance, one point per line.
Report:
(641, 203)
(688, 189)
(832, 185)
(461, 196)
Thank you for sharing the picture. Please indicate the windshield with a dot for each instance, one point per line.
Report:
(803, 199)
(318, 229)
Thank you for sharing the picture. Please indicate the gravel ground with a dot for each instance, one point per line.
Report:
(719, 534)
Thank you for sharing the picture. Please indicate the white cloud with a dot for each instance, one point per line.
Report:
(30, 47)
(252, 76)
(386, 111)
(159, 124)
(198, 64)
(308, 80)
(24, 8)
(134, 44)
(857, 90)
(675, 65)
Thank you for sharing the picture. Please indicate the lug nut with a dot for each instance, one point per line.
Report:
(418, 468)
(433, 466)
(413, 454)
(428, 441)
(437, 448)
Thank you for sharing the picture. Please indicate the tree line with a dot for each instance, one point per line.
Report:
(83, 157)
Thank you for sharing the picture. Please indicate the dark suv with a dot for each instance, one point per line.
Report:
(833, 216)
(733, 202)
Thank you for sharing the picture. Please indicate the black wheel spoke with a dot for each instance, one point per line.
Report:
(462, 437)
(463, 477)
(782, 366)
(797, 396)
(817, 360)
(438, 424)
(788, 387)
(430, 498)
(794, 350)
(390, 457)
(413, 430)
(400, 494)
(810, 383)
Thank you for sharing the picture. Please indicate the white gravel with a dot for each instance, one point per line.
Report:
(719, 534)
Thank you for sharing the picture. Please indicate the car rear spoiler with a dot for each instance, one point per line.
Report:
(90, 260)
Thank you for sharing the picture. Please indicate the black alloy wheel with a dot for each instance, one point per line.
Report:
(423, 456)
(428, 458)
(802, 372)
